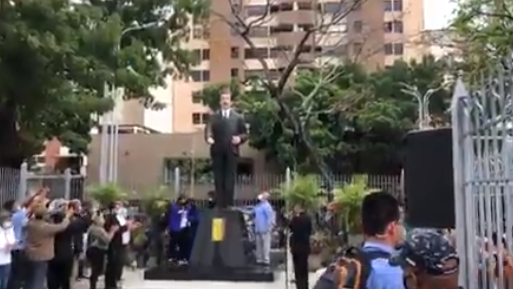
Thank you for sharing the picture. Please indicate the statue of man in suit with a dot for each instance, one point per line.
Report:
(225, 132)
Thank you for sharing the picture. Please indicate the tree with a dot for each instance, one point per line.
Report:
(355, 120)
(272, 85)
(56, 56)
(484, 28)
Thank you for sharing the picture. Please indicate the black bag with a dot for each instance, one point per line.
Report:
(349, 271)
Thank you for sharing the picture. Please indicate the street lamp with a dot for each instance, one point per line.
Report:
(422, 99)
(110, 127)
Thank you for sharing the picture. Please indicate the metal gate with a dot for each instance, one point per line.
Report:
(482, 123)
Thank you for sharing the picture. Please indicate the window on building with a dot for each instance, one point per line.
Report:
(196, 97)
(305, 27)
(358, 26)
(259, 31)
(200, 75)
(234, 72)
(256, 10)
(393, 27)
(199, 32)
(397, 5)
(398, 49)
(304, 5)
(196, 118)
(334, 8)
(205, 54)
(257, 53)
(393, 5)
(394, 49)
(389, 49)
(282, 28)
(234, 52)
(205, 117)
(286, 6)
(280, 51)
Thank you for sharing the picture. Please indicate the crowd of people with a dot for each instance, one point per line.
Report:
(43, 242)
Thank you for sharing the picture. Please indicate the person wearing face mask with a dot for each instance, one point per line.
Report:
(117, 246)
(429, 261)
(98, 243)
(7, 242)
(179, 222)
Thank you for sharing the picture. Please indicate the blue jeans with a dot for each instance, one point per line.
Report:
(5, 271)
(37, 276)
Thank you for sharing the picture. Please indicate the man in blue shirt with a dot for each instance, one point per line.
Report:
(264, 223)
(380, 223)
(19, 262)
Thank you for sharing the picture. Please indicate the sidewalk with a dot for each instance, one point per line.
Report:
(134, 280)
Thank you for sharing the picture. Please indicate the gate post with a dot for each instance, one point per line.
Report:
(22, 193)
(67, 184)
(177, 181)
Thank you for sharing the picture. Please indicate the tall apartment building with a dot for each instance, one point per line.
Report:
(378, 31)
(383, 30)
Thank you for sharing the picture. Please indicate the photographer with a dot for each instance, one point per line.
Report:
(61, 266)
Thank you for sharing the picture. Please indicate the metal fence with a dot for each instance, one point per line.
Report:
(482, 123)
(17, 184)
(248, 187)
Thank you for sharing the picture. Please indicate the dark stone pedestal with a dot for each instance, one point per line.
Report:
(216, 260)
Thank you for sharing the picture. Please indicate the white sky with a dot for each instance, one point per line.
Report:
(437, 13)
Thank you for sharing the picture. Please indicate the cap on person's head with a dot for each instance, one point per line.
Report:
(428, 251)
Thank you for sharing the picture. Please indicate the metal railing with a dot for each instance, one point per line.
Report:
(482, 123)
(18, 184)
(246, 187)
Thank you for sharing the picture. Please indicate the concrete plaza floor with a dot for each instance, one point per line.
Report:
(134, 280)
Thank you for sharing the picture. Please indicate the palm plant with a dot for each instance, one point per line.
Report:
(348, 202)
(302, 190)
(106, 194)
(155, 203)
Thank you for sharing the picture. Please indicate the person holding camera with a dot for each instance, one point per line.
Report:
(61, 266)
(39, 243)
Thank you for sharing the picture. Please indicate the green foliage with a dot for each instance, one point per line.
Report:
(355, 122)
(106, 194)
(348, 202)
(302, 190)
(56, 55)
(155, 203)
(484, 31)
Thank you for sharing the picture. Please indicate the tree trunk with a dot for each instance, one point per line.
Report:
(11, 154)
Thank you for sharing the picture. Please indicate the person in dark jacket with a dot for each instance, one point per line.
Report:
(61, 266)
(301, 229)
(117, 249)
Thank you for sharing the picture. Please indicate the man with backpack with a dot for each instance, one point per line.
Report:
(368, 267)
(429, 260)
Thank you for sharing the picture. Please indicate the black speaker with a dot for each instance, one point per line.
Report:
(428, 179)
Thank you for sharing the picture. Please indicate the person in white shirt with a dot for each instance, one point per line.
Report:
(7, 242)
